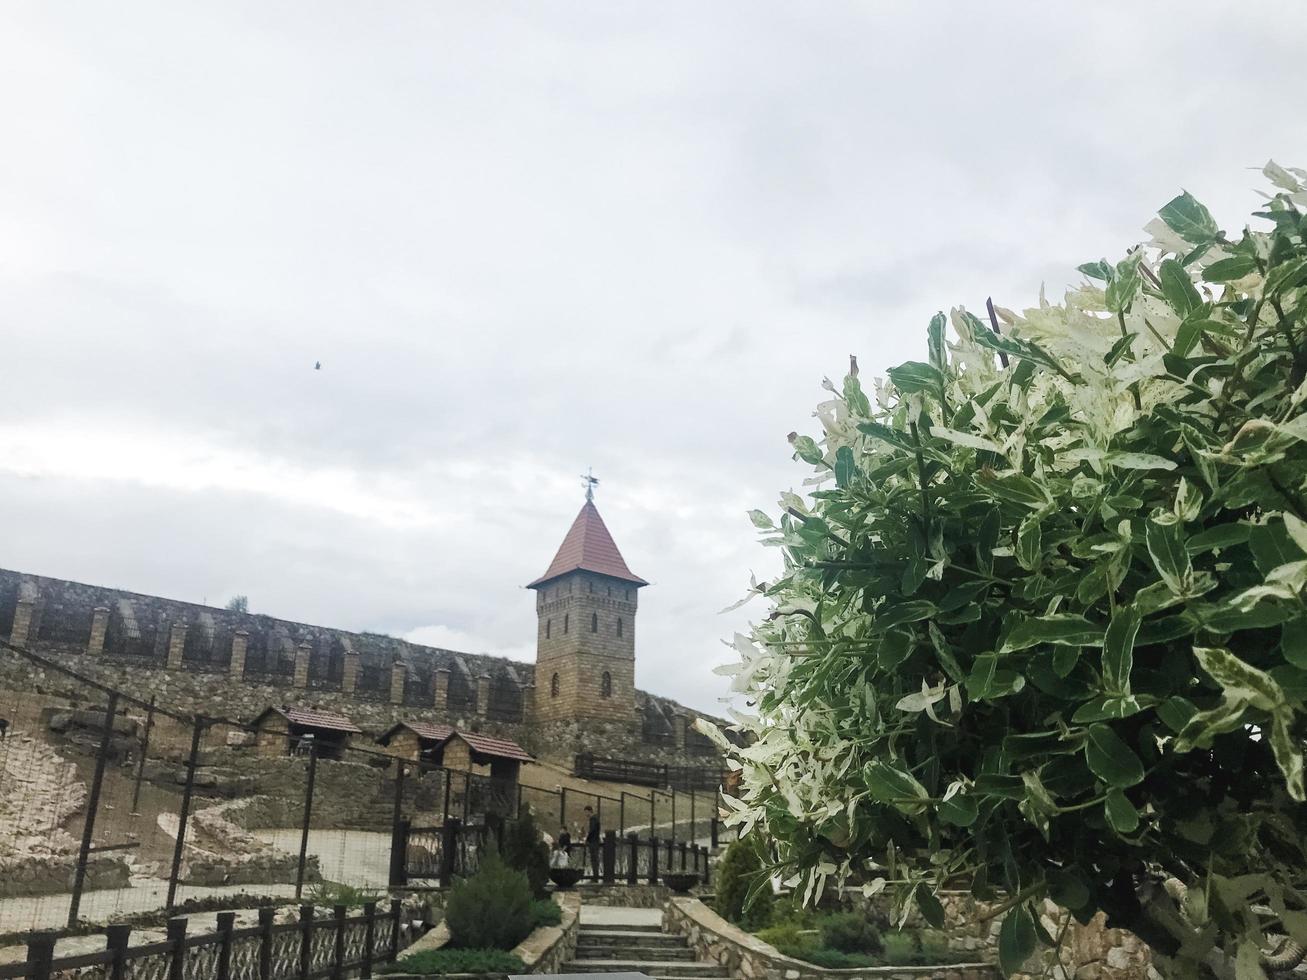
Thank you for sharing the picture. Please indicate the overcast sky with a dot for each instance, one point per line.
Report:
(528, 238)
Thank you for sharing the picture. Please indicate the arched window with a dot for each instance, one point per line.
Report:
(610, 591)
(594, 622)
(592, 587)
(549, 627)
(619, 627)
(566, 618)
(606, 686)
(553, 686)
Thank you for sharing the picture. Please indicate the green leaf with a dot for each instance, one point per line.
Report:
(1227, 270)
(1016, 940)
(1272, 546)
(1110, 759)
(912, 611)
(1220, 536)
(1100, 270)
(1058, 629)
(806, 449)
(1118, 649)
(845, 468)
(1293, 642)
(761, 520)
(929, 905)
(1014, 488)
(1027, 551)
(960, 810)
(1106, 709)
(914, 376)
(1185, 216)
(895, 787)
(1121, 814)
(1175, 712)
(1068, 889)
(1178, 288)
(894, 648)
(1167, 549)
(855, 397)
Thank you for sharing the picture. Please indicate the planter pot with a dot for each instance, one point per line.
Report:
(680, 881)
(565, 877)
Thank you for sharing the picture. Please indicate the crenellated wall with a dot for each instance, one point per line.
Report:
(200, 659)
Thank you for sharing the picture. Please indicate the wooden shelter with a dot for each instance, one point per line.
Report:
(450, 748)
(286, 731)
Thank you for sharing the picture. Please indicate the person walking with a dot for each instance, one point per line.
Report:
(592, 835)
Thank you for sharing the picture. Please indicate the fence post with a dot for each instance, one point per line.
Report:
(185, 812)
(399, 854)
(633, 866)
(610, 856)
(621, 812)
(653, 796)
(92, 806)
(177, 953)
(683, 852)
(692, 837)
(447, 773)
(448, 848)
(145, 748)
(396, 913)
(369, 937)
(226, 923)
(338, 954)
(306, 942)
(653, 860)
(116, 938)
(308, 812)
(705, 867)
(40, 955)
(562, 807)
(712, 832)
(670, 863)
(673, 813)
(267, 916)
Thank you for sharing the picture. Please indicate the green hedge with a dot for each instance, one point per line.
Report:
(453, 960)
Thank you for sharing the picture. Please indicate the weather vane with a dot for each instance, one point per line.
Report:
(591, 481)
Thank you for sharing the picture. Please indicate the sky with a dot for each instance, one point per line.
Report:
(524, 239)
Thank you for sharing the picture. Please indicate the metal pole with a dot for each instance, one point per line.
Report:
(308, 812)
(621, 813)
(692, 837)
(653, 795)
(185, 813)
(673, 813)
(445, 814)
(145, 747)
(562, 808)
(399, 795)
(92, 804)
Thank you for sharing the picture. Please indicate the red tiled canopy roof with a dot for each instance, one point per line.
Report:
(488, 745)
(588, 547)
(317, 719)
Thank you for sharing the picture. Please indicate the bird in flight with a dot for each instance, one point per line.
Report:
(317, 365)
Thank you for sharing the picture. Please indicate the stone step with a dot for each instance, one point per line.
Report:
(621, 936)
(652, 968)
(624, 927)
(632, 952)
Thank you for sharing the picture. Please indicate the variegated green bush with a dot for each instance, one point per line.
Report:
(1041, 628)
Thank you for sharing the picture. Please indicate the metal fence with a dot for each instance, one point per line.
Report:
(113, 806)
(306, 949)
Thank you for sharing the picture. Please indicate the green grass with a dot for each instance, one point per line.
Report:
(449, 960)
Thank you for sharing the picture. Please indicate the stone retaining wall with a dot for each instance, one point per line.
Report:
(747, 957)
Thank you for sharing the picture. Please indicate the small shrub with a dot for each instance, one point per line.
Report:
(744, 893)
(831, 959)
(850, 932)
(545, 912)
(453, 960)
(329, 894)
(491, 909)
(525, 850)
(789, 934)
(916, 949)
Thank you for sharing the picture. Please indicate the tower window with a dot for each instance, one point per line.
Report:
(594, 622)
(610, 591)
(553, 686)
(592, 587)
(619, 626)
(628, 595)
(606, 686)
(566, 617)
(549, 627)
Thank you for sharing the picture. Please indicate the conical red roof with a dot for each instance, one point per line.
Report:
(588, 547)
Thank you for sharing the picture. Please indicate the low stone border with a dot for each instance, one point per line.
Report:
(544, 951)
(643, 896)
(743, 955)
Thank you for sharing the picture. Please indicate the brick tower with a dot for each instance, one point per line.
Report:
(585, 639)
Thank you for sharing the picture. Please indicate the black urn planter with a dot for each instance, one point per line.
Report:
(681, 881)
(565, 877)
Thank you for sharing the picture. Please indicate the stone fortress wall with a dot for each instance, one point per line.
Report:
(200, 659)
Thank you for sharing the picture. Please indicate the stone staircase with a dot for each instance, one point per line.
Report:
(637, 949)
